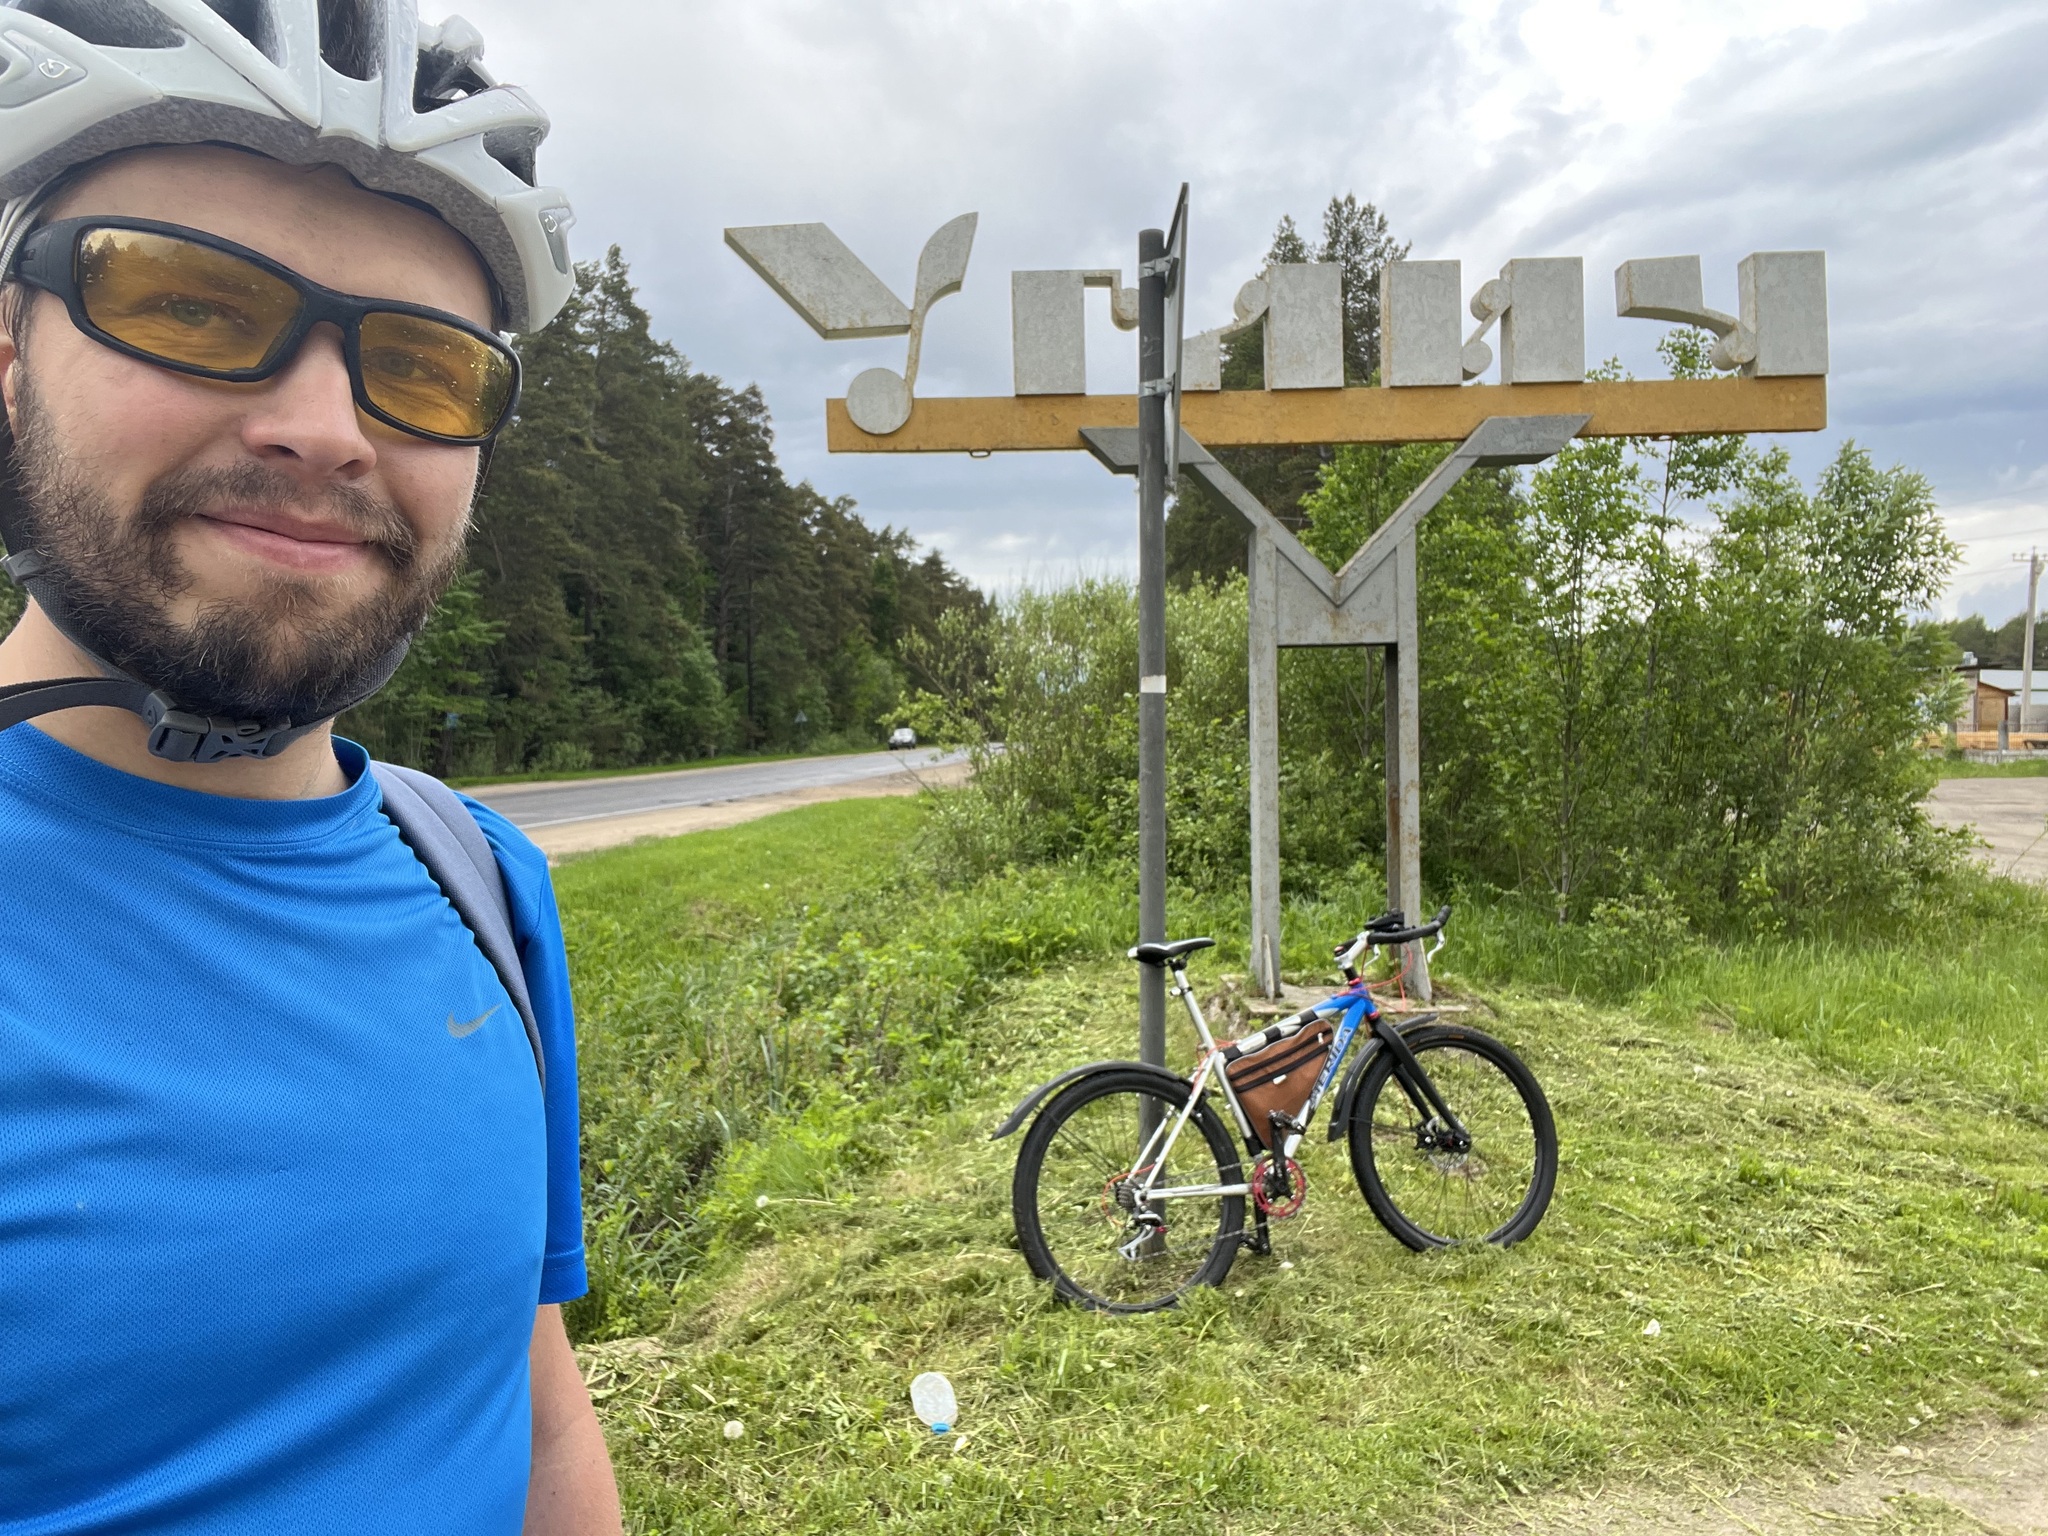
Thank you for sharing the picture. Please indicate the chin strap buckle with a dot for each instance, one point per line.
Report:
(179, 736)
(24, 566)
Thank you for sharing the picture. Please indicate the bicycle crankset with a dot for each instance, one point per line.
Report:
(1278, 1191)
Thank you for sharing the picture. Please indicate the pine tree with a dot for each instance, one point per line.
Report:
(644, 584)
(1204, 538)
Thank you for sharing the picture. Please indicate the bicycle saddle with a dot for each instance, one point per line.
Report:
(1163, 954)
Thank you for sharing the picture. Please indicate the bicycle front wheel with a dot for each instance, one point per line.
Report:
(1076, 1195)
(1432, 1187)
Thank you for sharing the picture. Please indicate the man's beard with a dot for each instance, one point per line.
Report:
(274, 656)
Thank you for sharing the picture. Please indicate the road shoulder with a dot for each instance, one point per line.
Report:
(571, 838)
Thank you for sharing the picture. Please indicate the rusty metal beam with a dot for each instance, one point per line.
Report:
(1256, 417)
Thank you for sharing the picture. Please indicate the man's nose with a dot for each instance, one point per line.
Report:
(304, 420)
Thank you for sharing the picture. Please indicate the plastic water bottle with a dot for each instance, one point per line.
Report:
(932, 1396)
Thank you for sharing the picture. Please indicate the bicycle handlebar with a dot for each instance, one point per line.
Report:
(1392, 936)
(1378, 932)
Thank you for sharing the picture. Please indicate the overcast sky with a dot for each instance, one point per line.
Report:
(1908, 138)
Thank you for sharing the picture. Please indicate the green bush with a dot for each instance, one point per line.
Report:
(1656, 678)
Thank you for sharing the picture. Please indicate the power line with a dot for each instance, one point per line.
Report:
(2010, 533)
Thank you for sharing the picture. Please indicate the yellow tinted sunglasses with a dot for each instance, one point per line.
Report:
(198, 304)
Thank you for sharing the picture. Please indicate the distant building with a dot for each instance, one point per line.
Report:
(2007, 680)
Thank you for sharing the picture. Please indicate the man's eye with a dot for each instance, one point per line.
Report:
(196, 313)
(409, 367)
(204, 314)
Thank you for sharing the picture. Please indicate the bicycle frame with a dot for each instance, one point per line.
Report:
(1358, 1012)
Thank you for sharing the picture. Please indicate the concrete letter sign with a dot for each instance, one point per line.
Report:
(1201, 357)
(1302, 304)
(1785, 308)
(1305, 326)
(1048, 327)
(833, 289)
(1784, 298)
(1540, 304)
(821, 280)
(1543, 333)
(1419, 324)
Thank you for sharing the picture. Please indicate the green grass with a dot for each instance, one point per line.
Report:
(690, 896)
(1837, 1212)
(1960, 768)
(563, 776)
(1952, 1012)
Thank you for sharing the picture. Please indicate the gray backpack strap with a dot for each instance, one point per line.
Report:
(439, 829)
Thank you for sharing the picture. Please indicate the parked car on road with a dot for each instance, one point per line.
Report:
(902, 736)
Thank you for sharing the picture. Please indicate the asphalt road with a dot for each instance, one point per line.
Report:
(531, 807)
(2009, 814)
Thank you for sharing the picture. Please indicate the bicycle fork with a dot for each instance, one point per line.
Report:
(1416, 1084)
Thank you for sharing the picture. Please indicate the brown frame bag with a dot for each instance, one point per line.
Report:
(1279, 1076)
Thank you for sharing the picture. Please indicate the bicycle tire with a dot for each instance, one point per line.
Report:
(1429, 1196)
(1091, 1267)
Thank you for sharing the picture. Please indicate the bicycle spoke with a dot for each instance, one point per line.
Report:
(1455, 1193)
(1101, 1240)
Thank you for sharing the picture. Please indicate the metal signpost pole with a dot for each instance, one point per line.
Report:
(2033, 560)
(1152, 285)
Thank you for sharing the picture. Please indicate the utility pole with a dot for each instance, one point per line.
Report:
(1152, 284)
(2034, 561)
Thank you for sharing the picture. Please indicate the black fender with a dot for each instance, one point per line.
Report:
(1347, 1090)
(1046, 1090)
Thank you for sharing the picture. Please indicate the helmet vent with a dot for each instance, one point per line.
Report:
(253, 19)
(106, 23)
(442, 87)
(350, 38)
(515, 149)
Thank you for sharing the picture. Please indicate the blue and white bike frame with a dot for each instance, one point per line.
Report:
(1355, 1011)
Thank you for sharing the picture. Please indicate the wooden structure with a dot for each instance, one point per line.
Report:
(1245, 418)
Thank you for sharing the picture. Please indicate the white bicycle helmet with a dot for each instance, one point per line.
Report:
(404, 108)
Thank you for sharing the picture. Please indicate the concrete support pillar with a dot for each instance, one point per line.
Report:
(1263, 718)
(1404, 764)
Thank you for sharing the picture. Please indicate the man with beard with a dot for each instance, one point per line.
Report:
(288, 1185)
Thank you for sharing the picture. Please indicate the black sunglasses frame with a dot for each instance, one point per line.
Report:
(49, 261)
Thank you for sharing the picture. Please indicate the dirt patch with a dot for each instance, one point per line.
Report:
(1989, 1478)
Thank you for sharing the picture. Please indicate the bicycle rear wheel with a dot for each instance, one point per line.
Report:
(1074, 1195)
(1428, 1189)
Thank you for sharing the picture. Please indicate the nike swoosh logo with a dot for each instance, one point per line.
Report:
(475, 1024)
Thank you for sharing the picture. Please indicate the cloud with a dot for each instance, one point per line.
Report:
(1908, 138)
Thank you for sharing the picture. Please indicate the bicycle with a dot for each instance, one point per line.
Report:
(1129, 1192)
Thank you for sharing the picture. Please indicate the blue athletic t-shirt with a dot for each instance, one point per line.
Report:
(279, 1190)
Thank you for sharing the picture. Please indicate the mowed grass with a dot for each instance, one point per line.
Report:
(1840, 1246)
(1954, 1010)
